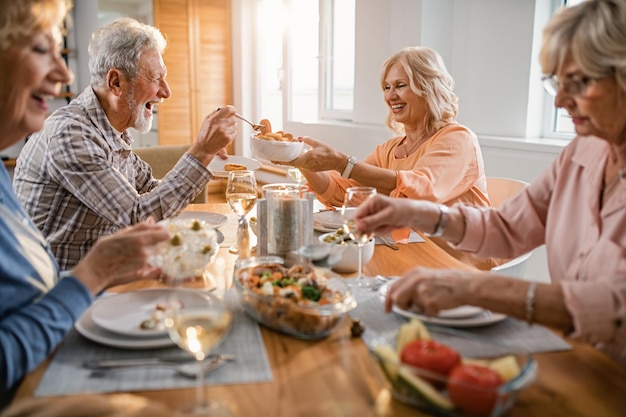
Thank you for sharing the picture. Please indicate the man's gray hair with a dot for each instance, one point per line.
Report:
(119, 45)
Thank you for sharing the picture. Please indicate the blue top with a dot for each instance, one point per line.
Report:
(38, 303)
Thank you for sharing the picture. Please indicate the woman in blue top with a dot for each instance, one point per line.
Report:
(38, 302)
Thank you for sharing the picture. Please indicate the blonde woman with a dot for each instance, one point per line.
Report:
(433, 157)
(37, 307)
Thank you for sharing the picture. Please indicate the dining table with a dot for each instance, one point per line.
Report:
(339, 376)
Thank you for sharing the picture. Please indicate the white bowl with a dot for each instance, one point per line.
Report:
(350, 260)
(273, 150)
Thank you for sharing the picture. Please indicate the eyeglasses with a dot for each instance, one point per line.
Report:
(574, 86)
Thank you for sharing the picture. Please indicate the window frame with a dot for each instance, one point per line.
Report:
(326, 62)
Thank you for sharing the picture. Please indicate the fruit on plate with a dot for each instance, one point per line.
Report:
(473, 388)
(432, 357)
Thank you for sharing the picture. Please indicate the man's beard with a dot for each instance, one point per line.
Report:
(141, 123)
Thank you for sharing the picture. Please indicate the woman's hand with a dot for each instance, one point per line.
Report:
(430, 290)
(321, 157)
(121, 257)
(382, 214)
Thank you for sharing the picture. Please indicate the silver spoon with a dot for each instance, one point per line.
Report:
(254, 126)
(188, 369)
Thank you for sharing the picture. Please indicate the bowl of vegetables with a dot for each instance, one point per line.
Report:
(437, 379)
(299, 300)
(350, 256)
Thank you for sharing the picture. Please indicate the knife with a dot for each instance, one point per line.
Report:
(99, 364)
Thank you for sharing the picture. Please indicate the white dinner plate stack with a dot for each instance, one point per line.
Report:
(329, 221)
(116, 320)
(462, 316)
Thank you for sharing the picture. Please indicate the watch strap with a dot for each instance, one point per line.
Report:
(348, 169)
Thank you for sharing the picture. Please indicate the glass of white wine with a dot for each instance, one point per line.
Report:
(198, 321)
(355, 196)
(296, 175)
(241, 195)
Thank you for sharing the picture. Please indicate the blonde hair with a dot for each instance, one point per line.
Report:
(593, 33)
(428, 78)
(119, 45)
(21, 19)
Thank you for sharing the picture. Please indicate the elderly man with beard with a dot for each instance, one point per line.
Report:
(78, 178)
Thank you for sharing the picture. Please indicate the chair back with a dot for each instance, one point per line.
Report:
(162, 159)
(499, 190)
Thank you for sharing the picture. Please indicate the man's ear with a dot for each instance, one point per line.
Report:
(115, 81)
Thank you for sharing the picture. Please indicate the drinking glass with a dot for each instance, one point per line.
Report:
(241, 196)
(198, 321)
(355, 196)
(296, 175)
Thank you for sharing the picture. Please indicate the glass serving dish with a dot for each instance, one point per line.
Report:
(455, 395)
(280, 307)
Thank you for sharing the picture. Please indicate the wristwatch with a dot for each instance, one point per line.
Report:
(444, 213)
(348, 170)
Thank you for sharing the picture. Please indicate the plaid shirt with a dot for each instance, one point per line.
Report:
(79, 181)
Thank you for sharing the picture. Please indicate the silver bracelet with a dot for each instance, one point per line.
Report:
(440, 228)
(530, 303)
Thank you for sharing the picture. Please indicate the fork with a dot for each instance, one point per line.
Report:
(387, 243)
(253, 125)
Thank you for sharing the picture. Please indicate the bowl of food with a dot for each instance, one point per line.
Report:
(438, 379)
(193, 245)
(275, 146)
(350, 258)
(305, 302)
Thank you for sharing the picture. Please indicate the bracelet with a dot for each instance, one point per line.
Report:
(348, 170)
(530, 303)
(444, 213)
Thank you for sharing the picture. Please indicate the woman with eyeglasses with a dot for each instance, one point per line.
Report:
(577, 207)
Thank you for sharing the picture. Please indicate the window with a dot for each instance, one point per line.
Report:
(560, 124)
(306, 62)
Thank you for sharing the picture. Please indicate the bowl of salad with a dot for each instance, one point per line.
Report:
(298, 300)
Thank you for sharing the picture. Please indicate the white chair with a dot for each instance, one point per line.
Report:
(499, 190)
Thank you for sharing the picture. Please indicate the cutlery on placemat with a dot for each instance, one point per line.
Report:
(186, 367)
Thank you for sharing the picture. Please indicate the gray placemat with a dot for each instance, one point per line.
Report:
(505, 337)
(66, 374)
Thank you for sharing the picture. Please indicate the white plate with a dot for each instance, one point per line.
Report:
(90, 330)
(330, 219)
(462, 316)
(123, 313)
(217, 164)
(215, 220)
(484, 319)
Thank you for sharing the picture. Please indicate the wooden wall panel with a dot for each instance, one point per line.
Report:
(198, 59)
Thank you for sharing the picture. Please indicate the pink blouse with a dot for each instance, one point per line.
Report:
(585, 242)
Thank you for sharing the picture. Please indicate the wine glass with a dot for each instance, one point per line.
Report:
(241, 196)
(355, 196)
(296, 175)
(198, 321)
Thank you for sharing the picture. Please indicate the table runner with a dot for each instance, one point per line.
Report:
(66, 374)
(505, 337)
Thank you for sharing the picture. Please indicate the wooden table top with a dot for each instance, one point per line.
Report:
(337, 376)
